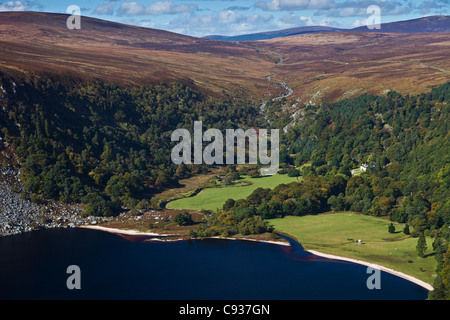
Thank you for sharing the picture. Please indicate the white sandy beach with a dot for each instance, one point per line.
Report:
(138, 233)
(123, 231)
(375, 266)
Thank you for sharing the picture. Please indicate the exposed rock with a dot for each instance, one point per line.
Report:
(18, 215)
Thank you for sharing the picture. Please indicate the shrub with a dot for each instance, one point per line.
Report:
(183, 219)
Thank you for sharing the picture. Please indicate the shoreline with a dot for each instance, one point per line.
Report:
(279, 243)
(151, 234)
(124, 231)
(317, 253)
(402, 275)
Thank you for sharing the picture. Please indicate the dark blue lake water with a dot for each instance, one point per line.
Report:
(33, 266)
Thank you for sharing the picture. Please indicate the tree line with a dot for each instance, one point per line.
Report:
(403, 143)
(101, 144)
(108, 147)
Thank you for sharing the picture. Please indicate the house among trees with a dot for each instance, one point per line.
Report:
(364, 167)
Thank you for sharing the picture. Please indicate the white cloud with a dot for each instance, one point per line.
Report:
(147, 24)
(192, 19)
(229, 16)
(352, 8)
(352, 11)
(328, 22)
(292, 20)
(288, 5)
(105, 8)
(435, 6)
(253, 23)
(131, 9)
(13, 6)
(226, 22)
(168, 7)
(308, 20)
(154, 9)
(346, 8)
(359, 23)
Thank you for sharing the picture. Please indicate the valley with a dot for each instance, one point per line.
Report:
(128, 55)
(342, 63)
(336, 62)
(86, 118)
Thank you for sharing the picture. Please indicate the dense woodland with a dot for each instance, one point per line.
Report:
(109, 148)
(103, 145)
(403, 141)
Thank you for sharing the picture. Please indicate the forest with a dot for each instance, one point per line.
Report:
(108, 147)
(102, 145)
(403, 143)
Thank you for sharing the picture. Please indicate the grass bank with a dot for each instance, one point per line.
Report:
(338, 234)
(214, 198)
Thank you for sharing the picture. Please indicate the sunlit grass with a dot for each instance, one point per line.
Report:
(338, 234)
(214, 198)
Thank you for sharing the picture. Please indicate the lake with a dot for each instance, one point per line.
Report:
(33, 266)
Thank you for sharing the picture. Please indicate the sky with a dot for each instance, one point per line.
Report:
(234, 17)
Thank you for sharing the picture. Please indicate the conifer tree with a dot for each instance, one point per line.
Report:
(421, 245)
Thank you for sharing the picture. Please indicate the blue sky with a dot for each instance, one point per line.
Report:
(234, 17)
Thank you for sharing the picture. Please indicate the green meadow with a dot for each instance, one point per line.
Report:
(214, 198)
(338, 234)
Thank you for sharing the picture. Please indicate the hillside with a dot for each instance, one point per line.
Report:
(317, 66)
(86, 119)
(41, 42)
(323, 67)
(429, 24)
(274, 34)
(402, 141)
(421, 25)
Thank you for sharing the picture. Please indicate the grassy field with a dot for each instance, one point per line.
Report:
(214, 198)
(188, 186)
(357, 172)
(338, 234)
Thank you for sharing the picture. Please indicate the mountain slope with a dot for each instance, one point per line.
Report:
(41, 42)
(317, 66)
(274, 34)
(422, 25)
(322, 67)
(429, 24)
